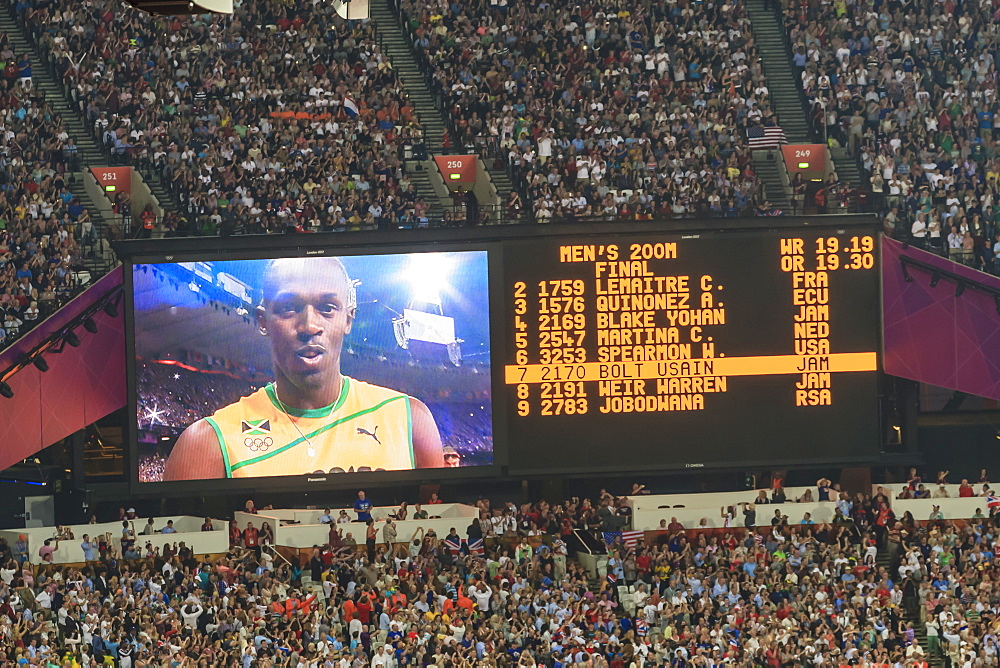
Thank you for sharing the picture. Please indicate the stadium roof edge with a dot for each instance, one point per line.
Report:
(164, 248)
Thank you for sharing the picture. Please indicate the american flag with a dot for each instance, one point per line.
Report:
(632, 538)
(629, 538)
(992, 501)
(766, 137)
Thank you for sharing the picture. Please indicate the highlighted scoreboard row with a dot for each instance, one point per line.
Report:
(765, 365)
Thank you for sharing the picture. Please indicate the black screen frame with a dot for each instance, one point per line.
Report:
(311, 482)
(489, 239)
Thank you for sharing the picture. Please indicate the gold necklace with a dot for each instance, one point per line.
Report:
(311, 451)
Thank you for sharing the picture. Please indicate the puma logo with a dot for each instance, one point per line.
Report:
(365, 432)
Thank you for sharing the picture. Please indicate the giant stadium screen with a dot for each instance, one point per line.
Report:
(600, 352)
(312, 365)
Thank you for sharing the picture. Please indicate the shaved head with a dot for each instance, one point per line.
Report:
(279, 272)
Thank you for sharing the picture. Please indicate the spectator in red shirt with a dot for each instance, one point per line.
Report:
(350, 610)
(365, 608)
(250, 538)
(965, 489)
(235, 535)
(46, 550)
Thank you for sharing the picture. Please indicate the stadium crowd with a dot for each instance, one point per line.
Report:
(617, 110)
(505, 591)
(41, 221)
(280, 116)
(911, 89)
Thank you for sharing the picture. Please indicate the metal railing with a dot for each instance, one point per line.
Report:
(82, 280)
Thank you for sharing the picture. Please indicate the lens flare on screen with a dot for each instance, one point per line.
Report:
(429, 274)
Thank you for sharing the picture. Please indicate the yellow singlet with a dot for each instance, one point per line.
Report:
(368, 428)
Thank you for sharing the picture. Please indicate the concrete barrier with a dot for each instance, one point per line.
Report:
(892, 489)
(690, 518)
(709, 500)
(952, 509)
(69, 551)
(300, 527)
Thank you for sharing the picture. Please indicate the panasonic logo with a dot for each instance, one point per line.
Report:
(315, 479)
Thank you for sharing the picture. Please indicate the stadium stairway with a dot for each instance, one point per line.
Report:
(159, 191)
(936, 659)
(92, 154)
(42, 78)
(97, 259)
(768, 165)
(785, 91)
(96, 262)
(846, 166)
(396, 43)
(775, 54)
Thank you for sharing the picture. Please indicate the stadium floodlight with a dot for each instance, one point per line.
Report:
(5, 391)
(935, 279)
(40, 363)
(352, 9)
(906, 274)
(959, 288)
(90, 325)
(183, 7)
(111, 309)
(72, 339)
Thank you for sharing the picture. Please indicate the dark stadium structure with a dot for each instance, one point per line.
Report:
(705, 353)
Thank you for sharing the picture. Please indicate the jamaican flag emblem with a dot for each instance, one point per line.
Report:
(256, 427)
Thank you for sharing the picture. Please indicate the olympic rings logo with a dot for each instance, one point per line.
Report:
(258, 444)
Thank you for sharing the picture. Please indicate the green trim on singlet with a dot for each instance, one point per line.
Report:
(409, 432)
(324, 428)
(222, 446)
(308, 412)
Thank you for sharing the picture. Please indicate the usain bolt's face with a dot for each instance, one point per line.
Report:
(306, 315)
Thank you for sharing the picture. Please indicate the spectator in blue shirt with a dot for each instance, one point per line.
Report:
(363, 507)
(24, 70)
(88, 548)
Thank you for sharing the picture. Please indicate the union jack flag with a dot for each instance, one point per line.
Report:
(476, 548)
(992, 501)
(454, 545)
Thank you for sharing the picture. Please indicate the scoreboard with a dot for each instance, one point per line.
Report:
(626, 352)
(576, 349)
